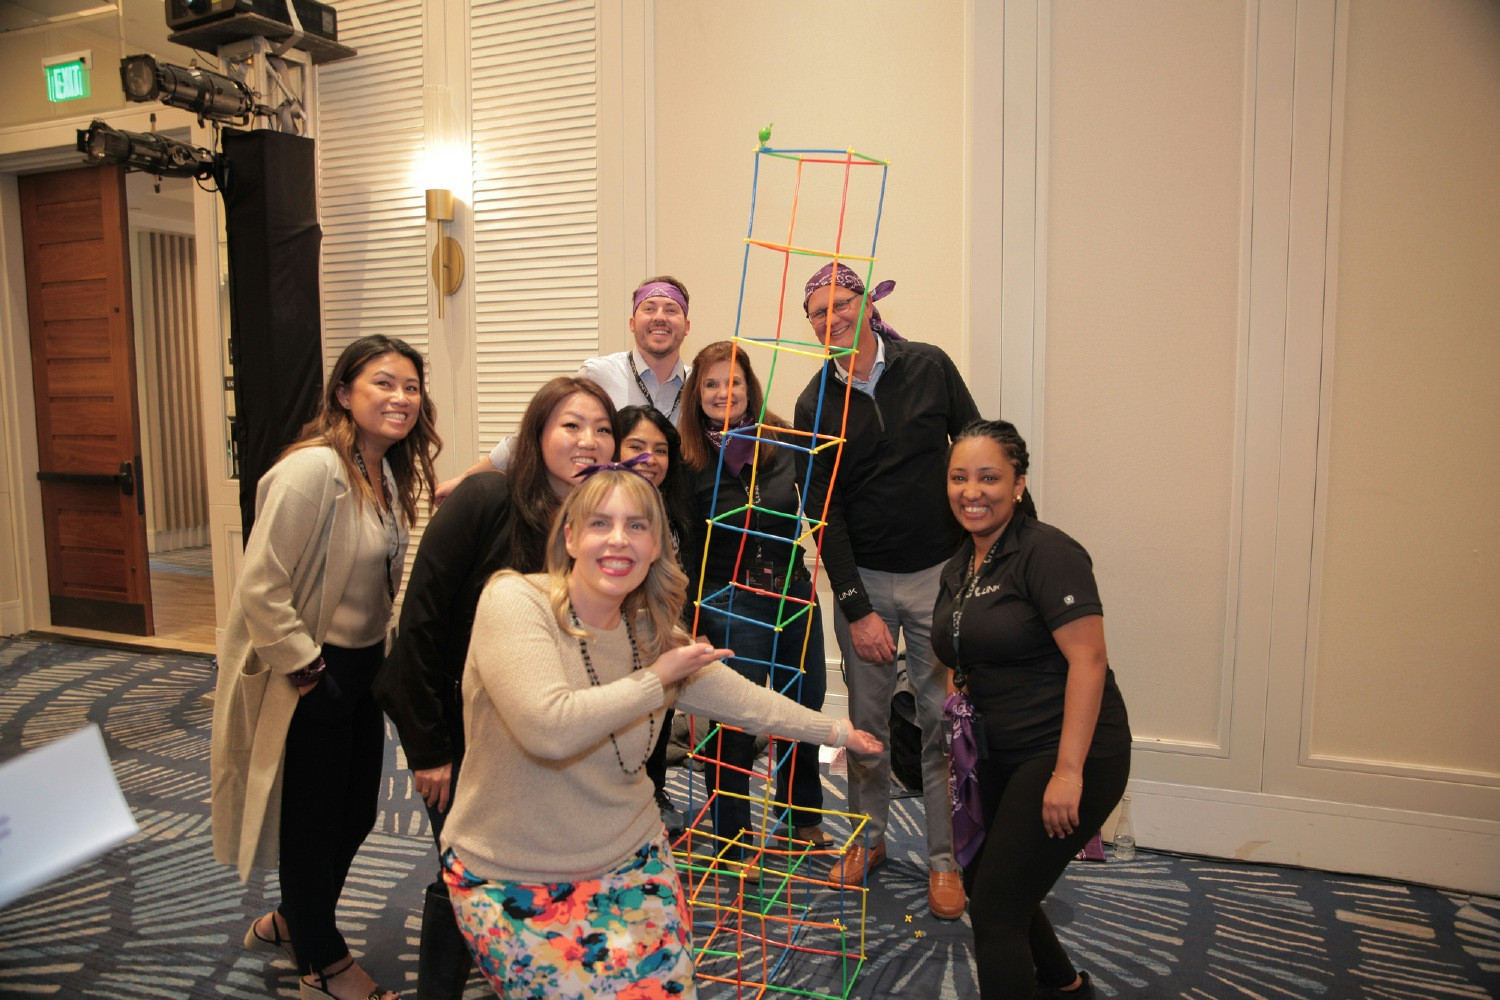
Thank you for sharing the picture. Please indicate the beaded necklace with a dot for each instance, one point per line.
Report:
(635, 664)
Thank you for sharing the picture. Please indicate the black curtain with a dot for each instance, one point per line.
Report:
(276, 350)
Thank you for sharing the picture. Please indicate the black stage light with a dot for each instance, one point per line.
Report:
(206, 94)
(147, 152)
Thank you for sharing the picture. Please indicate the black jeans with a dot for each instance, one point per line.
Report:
(330, 782)
(1015, 947)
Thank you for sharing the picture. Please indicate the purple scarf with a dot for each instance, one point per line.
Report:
(963, 779)
(740, 450)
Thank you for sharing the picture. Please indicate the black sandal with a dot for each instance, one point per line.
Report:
(275, 944)
(321, 992)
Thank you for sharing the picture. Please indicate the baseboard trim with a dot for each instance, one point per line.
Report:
(1452, 852)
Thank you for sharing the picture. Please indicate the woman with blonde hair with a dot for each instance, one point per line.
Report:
(298, 740)
(571, 891)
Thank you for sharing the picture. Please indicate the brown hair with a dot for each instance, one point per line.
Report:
(697, 450)
(411, 458)
(535, 502)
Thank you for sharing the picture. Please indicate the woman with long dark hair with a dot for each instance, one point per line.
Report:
(1019, 621)
(571, 890)
(490, 522)
(298, 739)
(757, 593)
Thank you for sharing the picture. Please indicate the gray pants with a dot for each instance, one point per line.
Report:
(904, 601)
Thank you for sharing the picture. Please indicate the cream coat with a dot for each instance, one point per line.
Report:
(297, 564)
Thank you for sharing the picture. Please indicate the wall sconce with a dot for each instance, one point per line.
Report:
(447, 256)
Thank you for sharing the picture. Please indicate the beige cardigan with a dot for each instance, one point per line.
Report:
(297, 563)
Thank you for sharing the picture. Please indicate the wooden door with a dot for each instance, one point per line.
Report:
(83, 368)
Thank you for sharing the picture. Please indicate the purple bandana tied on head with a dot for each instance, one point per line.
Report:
(843, 276)
(658, 289)
(963, 779)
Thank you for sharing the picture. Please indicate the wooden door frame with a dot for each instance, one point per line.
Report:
(23, 586)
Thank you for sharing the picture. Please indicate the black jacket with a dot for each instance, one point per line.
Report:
(466, 542)
(889, 509)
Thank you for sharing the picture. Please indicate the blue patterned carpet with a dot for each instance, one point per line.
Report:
(158, 918)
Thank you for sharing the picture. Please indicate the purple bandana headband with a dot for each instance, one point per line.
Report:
(658, 289)
(844, 277)
(584, 474)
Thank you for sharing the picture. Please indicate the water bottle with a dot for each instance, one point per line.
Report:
(1124, 833)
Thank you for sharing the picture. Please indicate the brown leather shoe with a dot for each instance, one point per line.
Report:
(857, 863)
(945, 895)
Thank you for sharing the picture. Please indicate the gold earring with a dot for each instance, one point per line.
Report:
(1018, 498)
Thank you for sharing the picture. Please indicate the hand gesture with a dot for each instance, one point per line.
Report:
(684, 661)
(860, 741)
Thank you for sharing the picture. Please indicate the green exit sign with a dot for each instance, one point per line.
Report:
(67, 76)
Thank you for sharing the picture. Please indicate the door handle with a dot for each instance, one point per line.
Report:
(125, 478)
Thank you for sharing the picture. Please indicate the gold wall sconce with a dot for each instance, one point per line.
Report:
(447, 256)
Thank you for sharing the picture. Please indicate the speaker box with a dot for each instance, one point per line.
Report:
(317, 18)
(271, 221)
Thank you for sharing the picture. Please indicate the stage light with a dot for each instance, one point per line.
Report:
(147, 152)
(206, 94)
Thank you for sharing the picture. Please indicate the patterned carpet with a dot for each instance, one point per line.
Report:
(158, 918)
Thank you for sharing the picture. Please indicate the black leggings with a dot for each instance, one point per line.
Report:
(1015, 948)
(330, 783)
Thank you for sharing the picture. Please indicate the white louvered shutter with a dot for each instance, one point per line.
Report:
(370, 137)
(536, 218)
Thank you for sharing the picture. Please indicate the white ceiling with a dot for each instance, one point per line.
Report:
(17, 14)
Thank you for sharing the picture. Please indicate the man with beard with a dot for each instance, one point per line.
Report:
(652, 374)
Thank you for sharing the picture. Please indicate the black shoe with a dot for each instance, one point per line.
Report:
(1085, 991)
(674, 819)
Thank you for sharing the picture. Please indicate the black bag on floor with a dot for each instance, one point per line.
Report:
(906, 741)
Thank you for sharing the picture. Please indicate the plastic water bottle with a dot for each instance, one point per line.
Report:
(1124, 833)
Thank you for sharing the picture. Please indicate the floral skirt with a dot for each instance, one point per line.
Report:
(623, 934)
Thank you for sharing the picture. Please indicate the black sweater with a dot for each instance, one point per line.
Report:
(466, 542)
(889, 509)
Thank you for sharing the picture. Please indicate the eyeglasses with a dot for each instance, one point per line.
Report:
(840, 306)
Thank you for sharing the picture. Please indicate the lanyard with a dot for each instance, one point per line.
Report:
(640, 384)
(392, 533)
(961, 600)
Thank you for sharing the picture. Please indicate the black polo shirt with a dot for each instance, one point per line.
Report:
(1037, 580)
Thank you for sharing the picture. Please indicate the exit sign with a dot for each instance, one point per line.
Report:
(67, 76)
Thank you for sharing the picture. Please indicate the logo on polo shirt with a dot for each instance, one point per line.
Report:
(1068, 599)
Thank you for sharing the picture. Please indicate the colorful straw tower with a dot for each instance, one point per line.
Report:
(766, 917)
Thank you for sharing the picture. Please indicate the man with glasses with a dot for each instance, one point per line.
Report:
(888, 535)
